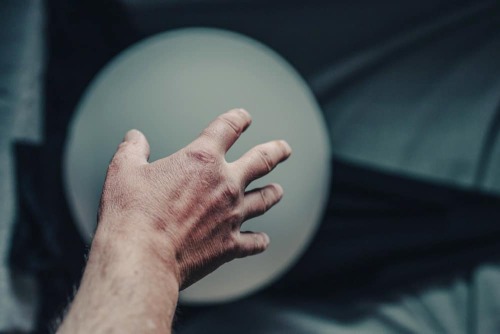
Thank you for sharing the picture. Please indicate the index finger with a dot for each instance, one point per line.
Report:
(261, 160)
(226, 129)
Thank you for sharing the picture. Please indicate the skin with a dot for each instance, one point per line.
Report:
(166, 224)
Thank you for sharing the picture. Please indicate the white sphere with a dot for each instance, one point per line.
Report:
(170, 86)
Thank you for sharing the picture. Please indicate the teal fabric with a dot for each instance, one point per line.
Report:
(459, 306)
(21, 65)
(408, 87)
(421, 104)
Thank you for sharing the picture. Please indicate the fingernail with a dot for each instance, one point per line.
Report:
(131, 135)
(279, 188)
(243, 111)
(266, 239)
(287, 147)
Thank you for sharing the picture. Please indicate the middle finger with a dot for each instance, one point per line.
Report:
(261, 159)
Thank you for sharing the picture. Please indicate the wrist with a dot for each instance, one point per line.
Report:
(151, 251)
(118, 266)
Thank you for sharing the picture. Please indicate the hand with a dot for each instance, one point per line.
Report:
(188, 207)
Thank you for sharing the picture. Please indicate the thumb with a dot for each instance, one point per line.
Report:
(136, 144)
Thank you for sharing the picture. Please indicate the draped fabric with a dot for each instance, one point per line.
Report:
(411, 96)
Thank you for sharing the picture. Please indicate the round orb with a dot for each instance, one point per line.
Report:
(170, 86)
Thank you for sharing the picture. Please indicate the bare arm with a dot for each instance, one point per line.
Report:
(164, 225)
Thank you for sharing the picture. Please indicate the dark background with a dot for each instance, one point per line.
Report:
(411, 96)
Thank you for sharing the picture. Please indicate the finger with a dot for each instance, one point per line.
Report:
(257, 201)
(262, 159)
(135, 146)
(251, 243)
(226, 129)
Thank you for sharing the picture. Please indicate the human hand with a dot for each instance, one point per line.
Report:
(187, 208)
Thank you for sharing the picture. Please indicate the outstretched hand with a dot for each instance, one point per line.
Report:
(164, 225)
(193, 202)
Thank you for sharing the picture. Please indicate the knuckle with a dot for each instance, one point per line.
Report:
(231, 191)
(255, 245)
(235, 219)
(266, 159)
(207, 133)
(203, 155)
(230, 122)
(232, 245)
(265, 200)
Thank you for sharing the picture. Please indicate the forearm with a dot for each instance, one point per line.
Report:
(166, 224)
(127, 288)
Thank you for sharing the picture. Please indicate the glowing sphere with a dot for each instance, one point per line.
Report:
(170, 86)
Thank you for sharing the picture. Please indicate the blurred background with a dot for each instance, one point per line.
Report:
(410, 93)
